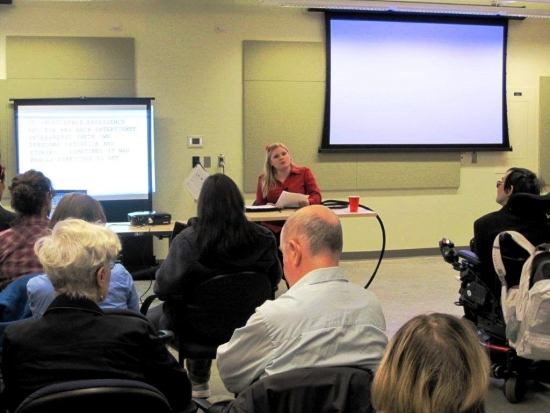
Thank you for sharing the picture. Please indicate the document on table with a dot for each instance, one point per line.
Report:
(261, 208)
(290, 199)
(195, 180)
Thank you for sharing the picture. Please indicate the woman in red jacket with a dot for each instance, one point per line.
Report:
(282, 174)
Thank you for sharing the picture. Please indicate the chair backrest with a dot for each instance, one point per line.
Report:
(314, 389)
(221, 304)
(524, 204)
(178, 227)
(98, 395)
(215, 309)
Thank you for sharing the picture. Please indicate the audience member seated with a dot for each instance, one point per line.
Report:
(433, 364)
(534, 226)
(75, 339)
(322, 320)
(31, 198)
(220, 240)
(122, 291)
(6, 217)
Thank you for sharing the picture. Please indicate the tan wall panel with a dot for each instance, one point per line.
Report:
(68, 88)
(32, 57)
(289, 115)
(408, 170)
(292, 61)
(544, 139)
(284, 92)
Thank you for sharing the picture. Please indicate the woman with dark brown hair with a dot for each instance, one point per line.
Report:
(31, 199)
(219, 240)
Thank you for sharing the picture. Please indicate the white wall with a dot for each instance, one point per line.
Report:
(189, 57)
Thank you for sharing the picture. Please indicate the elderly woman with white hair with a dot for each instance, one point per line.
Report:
(75, 339)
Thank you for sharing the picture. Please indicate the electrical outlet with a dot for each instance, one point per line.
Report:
(221, 161)
(196, 160)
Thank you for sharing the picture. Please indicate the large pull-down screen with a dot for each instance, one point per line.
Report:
(412, 82)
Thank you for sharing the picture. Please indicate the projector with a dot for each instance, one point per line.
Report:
(141, 218)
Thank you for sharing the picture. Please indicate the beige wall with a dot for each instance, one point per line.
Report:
(189, 57)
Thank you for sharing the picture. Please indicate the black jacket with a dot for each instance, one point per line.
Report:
(76, 340)
(182, 270)
(534, 227)
(312, 389)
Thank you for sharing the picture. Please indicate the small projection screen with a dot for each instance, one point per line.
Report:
(101, 145)
(398, 82)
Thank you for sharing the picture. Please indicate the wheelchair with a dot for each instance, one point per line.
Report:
(480, 300)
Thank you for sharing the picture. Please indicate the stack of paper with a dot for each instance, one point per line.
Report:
(291, 199)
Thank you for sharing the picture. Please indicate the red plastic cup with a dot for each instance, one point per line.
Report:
(353, 203)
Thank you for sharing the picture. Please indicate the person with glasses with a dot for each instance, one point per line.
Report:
(534, 226)
(77, 340)
(31, 199)
(122, 290)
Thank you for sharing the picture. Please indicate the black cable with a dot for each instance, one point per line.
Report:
(337, 204)
(382, 250)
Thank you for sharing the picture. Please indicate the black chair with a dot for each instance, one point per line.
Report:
(214, 310)
(314, 389)
(98, 395)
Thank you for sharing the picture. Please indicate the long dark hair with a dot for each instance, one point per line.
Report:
(223, 231)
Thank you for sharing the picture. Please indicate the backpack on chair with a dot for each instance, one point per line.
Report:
(526, 307)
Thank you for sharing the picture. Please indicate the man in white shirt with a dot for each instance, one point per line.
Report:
(323, 320)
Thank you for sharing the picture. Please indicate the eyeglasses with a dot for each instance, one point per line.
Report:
(112, 265)
(499, 183)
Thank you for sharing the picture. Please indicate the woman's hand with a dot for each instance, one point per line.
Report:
(303, 203)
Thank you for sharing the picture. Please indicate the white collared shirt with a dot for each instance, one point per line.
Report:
(323, 320)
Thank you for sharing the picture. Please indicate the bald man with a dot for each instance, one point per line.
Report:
(322, 320)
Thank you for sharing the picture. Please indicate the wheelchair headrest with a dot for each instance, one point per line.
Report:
(528, 204)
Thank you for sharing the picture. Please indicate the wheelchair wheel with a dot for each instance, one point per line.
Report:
(514, 389)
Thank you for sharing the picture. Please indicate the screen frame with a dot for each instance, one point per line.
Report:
(327, 147)
(115, 209)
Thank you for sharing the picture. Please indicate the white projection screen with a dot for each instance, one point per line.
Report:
(415, 82)
(103, 146)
